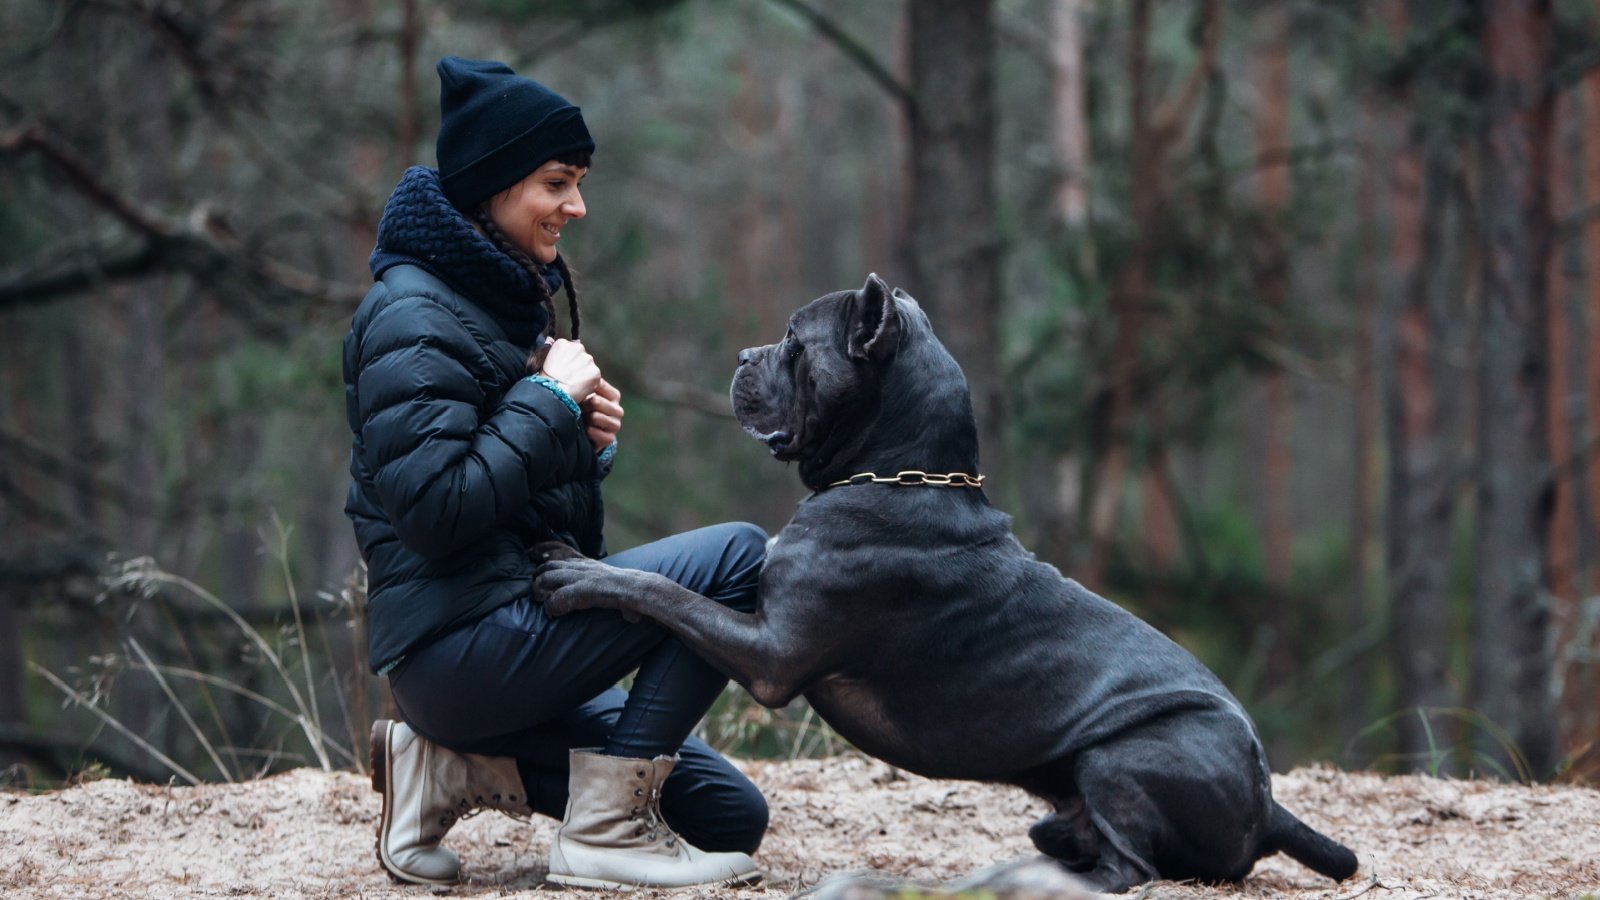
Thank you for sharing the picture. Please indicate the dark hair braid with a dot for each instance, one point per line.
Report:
(569, 285)
(522, 259)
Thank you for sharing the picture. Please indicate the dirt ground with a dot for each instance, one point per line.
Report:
(309, 834)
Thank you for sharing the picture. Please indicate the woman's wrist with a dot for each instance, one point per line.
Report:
(555, 387)
(566, 388)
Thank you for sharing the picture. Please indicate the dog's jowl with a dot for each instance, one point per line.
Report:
(899, 603)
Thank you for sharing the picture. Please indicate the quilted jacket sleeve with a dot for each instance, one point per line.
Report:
(444, 473)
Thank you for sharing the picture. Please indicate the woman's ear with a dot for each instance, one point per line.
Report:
(874, 322)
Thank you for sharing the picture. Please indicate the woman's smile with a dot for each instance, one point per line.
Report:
(533, 211)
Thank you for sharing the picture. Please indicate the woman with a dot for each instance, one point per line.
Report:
(470, 450)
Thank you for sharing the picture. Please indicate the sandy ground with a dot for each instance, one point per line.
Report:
(310, 834)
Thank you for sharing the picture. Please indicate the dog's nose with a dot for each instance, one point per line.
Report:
(746, 356)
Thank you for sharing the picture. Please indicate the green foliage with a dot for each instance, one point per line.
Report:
(739, 726)
(1441, 756)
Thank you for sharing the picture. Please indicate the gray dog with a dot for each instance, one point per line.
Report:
(921, 630)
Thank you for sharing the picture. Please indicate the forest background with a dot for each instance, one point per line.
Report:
(1282, 321)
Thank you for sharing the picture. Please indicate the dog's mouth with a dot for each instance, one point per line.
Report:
(778, 442)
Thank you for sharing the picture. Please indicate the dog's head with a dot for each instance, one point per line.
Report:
(857, 380)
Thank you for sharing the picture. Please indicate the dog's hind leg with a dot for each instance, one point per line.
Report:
(1185, 795)
(1088, 846)
(1068, 836)
(1114, 874)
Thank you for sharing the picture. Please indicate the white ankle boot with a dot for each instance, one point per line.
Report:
(426, 789)
(613, 835)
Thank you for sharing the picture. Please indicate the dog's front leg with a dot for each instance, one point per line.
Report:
(747, 647)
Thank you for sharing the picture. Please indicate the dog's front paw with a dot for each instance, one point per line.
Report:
(567, 585)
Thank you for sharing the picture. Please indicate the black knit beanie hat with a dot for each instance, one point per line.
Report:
(496, 127)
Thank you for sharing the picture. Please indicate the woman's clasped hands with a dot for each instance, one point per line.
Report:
(572, 367)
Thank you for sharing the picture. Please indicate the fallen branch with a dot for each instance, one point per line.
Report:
(60, 752)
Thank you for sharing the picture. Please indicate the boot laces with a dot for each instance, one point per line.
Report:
(654, 822)
(477, 806)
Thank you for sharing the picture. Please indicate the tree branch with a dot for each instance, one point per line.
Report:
(202, 245)
(1171, 115)
(24, 451)
(81, 173)
(32, 457)
(855, 51)
(212, 45)
(67, 563)
(672, 393)
(28, 289)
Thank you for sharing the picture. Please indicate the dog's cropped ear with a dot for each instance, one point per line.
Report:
(874, 322)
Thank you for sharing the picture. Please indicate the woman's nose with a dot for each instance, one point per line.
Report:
(574, 207)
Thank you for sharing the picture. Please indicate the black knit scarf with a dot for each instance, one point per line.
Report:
(420, 227)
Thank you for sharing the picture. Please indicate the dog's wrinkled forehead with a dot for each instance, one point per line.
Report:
(819, 319)
(826, 320)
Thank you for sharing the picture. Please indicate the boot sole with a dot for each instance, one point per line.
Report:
(750, 880)
(378, 756)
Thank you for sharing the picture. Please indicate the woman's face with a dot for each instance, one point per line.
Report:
(533, 211)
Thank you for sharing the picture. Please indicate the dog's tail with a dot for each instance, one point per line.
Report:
(1308, 846)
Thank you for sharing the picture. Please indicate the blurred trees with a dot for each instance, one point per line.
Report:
(1512, 675)
(1422, 401)
(1280, 318)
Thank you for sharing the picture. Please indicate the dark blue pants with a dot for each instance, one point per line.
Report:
(521, 684)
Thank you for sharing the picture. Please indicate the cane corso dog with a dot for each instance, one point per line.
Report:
(918, 627)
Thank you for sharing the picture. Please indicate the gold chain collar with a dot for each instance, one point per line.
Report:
(913, 478)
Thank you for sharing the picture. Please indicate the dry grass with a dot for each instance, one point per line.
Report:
(309, 834)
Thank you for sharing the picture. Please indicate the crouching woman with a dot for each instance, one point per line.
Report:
(477, 438)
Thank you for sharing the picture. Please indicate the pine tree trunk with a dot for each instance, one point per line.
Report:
(1052, 509)
(1581, 699)
(1154, 134)
(1512, 678)
(1561, 554)
(1272, 282)
(1356, 706)
(14, 616)
(954, 237)
(1130, 295)
(1421, 506)
(1069, 121)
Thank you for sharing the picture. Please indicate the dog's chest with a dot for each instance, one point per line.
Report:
(858, 713)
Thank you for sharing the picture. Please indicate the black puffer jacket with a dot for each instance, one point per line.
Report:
(459, 464)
